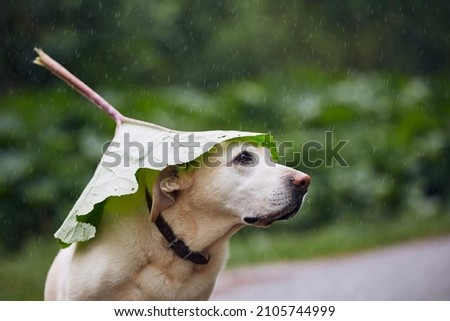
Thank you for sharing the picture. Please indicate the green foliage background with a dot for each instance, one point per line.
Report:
(375, 73)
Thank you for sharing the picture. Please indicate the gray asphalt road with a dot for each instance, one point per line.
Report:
(412, 271)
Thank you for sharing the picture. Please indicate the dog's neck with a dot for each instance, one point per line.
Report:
(178, 245)
(201, 233)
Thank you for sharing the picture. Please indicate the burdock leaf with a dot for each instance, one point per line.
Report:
(136, 145)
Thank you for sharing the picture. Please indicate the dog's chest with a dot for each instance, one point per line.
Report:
(175, 282)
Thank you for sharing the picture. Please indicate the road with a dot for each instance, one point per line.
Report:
(412, 271)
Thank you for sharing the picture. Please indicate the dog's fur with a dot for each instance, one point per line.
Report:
(129, 259)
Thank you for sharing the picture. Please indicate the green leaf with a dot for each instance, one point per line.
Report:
(137, 145)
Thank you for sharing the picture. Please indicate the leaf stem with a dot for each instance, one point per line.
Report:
(49, 63)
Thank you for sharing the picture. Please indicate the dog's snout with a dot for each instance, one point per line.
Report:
(302, 181)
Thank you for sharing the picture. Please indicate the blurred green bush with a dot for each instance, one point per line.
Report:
(397, 147)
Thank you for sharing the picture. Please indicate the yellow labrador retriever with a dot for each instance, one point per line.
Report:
(172, 245)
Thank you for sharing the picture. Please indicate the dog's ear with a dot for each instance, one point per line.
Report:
(164, 189)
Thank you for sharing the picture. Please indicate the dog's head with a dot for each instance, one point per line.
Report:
(237, 179)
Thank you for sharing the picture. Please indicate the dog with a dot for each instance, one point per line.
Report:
(170, 240)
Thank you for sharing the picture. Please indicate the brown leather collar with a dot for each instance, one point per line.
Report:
(177, 245)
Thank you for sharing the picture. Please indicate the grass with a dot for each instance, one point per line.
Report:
(22, 275)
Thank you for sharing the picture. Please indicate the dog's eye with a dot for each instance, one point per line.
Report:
(244, 158)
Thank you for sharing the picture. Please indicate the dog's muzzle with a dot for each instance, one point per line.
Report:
(298, 186)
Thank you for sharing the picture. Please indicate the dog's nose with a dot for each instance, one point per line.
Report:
(301, 180)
